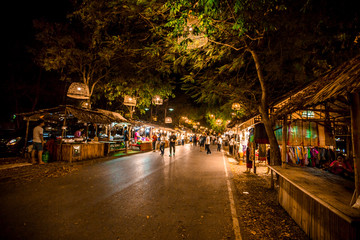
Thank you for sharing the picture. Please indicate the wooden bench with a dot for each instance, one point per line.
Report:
(319, 202)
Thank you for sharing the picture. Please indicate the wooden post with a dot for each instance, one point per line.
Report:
(355, 135)
(26, 136)
(87, 132)
(62, 137)
(272, 180)
(284, 142)
(253, 153)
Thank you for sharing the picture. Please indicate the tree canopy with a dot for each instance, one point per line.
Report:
(221, 52)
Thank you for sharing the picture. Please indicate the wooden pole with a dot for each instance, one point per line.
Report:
(355, 135)
(62, 137)
(26, 136)
(253, 153)
(272, 185)
(284, 142)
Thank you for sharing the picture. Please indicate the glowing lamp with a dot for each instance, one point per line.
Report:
(78, 90)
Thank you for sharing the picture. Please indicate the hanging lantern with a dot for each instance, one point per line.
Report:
(197, 40)
(218, 121)
(228, 121)
(129, 101)
(195, 126)
(85, 104)
(157, 100)
(235, 106)
(78, 90)
(212, 116)
(168, 120)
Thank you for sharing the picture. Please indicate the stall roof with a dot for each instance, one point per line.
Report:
(140, 122)
(99, 116)
(331, 87)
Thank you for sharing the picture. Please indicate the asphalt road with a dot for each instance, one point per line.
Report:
(143, 196)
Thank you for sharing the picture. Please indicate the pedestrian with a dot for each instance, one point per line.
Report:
(207, 144)
(268, 160)
(182, 139)
(202, 142)
(194, 140)
(38, 142)
(248, 160)
(78, 133)
(231, 146)
(162, 144)
(172, 141)
(126, 139)
(154, 139)
(50, 147)
(219, 142)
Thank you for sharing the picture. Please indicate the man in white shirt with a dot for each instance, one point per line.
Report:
(207, 144)
(219, 142)
(38, 142)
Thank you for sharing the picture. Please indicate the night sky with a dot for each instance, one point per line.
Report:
(20, 73)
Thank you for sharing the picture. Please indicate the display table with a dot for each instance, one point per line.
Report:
(143, 146)
(113, 146)
(79, 151)
(318, 201)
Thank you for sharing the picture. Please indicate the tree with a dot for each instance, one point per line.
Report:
(136, 68)
(73, 51)
(251, 57)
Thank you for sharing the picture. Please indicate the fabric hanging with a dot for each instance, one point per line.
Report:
(260, 134)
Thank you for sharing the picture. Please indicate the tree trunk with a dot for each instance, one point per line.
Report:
(275, 156)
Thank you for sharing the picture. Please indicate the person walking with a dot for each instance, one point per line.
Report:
(248, 160)
(162, 144)
(202, 142)
(182, 139)
(207, 144)
(194, 140)
(154, 139)
(126, 139)
(172, 141)
(38, 142)
(231, 146)
(219, 143)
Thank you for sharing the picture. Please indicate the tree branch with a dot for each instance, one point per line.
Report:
(227, 45)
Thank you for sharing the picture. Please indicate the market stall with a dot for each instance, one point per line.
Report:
(66, 120)
(319, 123)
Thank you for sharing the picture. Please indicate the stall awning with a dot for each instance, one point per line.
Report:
(56, 114)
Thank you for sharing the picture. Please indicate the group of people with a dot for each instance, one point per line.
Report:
(160, 139)
(205, 140)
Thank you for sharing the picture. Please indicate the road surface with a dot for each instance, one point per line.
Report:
(142, 196)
